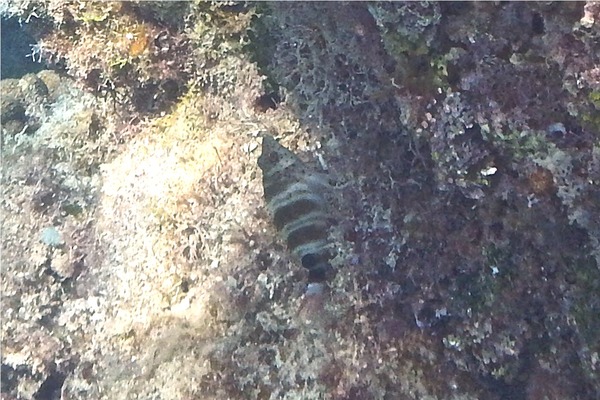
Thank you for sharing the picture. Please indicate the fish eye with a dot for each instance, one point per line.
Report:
(273, 157)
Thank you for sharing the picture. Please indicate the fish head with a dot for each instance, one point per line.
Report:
(274, 154)
(271, 152)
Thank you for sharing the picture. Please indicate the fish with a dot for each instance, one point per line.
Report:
(295, 197)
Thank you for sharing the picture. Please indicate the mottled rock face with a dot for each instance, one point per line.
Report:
(463, 141)
(22, 104)
(293, 193)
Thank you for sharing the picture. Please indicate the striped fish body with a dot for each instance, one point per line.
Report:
(294, 196)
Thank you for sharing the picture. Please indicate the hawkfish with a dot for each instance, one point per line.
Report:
(295, 197)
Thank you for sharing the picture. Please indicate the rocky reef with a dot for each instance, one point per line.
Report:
(462, 141)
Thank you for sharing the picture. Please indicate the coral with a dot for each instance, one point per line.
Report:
(113, 50)
(451, 185)
(461, 143)
(50, 179)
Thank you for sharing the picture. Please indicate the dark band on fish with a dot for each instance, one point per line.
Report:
(288, 213)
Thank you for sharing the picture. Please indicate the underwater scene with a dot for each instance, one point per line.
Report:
(300, 200)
